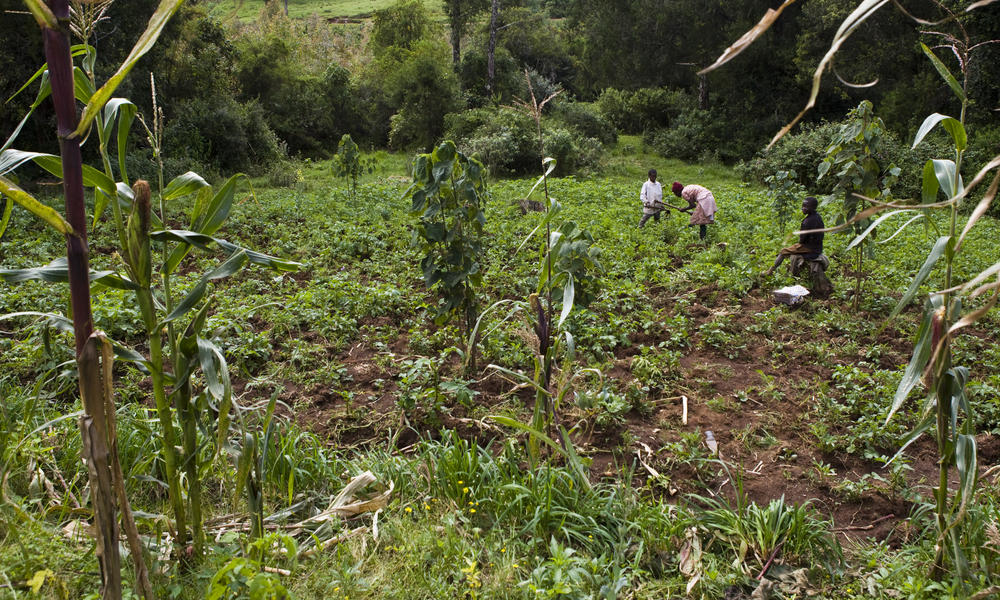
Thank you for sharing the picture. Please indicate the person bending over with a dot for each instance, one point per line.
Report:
(652, 199)
(701, 201)
(810, 244)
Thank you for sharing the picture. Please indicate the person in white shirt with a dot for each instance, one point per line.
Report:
(652, 199)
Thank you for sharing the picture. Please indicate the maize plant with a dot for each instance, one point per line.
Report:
(173, 324)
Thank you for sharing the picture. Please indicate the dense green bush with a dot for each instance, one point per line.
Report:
(643, 109)
(423, 88)
(584, 119)
(801, 152)
(508, 79)
(506, 141)
(401, 25)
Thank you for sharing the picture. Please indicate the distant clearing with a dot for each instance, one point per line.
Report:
(328, 9)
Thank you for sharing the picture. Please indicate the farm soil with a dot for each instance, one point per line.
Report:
(722, 396)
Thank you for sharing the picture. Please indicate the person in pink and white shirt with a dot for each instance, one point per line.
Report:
(701, 201)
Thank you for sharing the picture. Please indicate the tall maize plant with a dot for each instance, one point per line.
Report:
(955, 305)
(172, 323)
(92, 355)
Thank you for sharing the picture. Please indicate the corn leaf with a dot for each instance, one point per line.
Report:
(980, 210)
(83, 88)
(57, 272)
(966, 462)
(204, 242)
(567, 303)
(947, 176)
(936, 253)
(864, 234)
(43, 212)
(921, 354)
(155, 26)
(953, 126)
(8, 209)
(944, 72)
(44, 91)
(43, 15)
(929, 420)
(123, 112)
(748, 38)
(182, 185)
(216, 371)
(218, 208)
(860, 14)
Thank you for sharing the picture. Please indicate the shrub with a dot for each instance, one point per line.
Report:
(586, 121)
(401, 25)
(423, 87)
(801, 152)
(506, 141)
(643, 109)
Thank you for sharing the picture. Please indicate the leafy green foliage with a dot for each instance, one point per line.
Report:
(348, 162)
(447, 196)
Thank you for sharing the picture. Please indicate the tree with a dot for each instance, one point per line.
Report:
(460, 14)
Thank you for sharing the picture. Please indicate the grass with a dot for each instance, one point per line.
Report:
(326, 9)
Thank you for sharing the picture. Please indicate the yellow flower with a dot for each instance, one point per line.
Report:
(427, 506)
(465, 490)
(408, 509)
(472, 510)
(503, 549)
(460, 482)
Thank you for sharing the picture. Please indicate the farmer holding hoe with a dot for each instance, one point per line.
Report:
(701, 201)
(810, 246)
(652, 199)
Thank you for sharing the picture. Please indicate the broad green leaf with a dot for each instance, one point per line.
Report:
(190, 300)
(245, 459)
(921, 354)
(125, 112)
(213, 365)
(218, 208)
(231, 265)
(57, 272)
(11, 159)
(204, 242)
(953, 126)
(930, 186)
(929, 420)
(936, 253)
(944, 171)
(944, 72)
(83, 89)
(43, 212)
(966, 463)
(156, 24)
(182, 185)
(44, 91)
(8, 209)
(567, 303)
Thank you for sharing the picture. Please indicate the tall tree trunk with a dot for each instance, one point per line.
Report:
(93, 423)
(491, 49)
(455, 17)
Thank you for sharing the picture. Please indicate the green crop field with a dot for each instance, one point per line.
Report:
(344, 308)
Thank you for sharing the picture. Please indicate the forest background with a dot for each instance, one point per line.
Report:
(247, 94)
